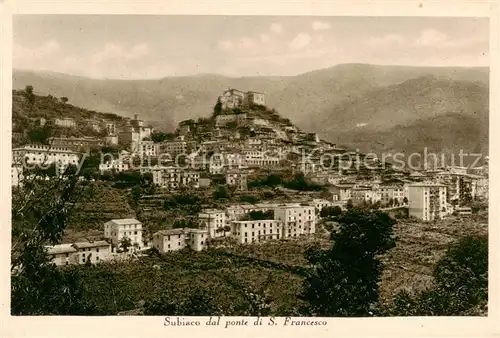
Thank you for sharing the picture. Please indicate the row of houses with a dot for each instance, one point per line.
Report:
(288, 220)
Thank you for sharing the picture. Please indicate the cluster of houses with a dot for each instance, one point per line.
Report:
(286, 220)
(267, 144)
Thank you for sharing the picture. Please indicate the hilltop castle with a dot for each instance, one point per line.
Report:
(234, 98)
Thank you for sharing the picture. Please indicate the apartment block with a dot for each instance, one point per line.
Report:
(117, 229)
(256, 231)
(213, 220)
(43, 156)
(427, 201)
(79, 253)
(177, 239)
(298, 218)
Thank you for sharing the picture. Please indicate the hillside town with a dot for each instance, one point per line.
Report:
(242, 142)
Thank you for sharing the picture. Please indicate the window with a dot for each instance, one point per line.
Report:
(67, 262)
(135, 232)
(97, 250)
(67, 255)
(169, 246)
(97, 258)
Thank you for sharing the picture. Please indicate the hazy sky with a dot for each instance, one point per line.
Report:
(128, 47)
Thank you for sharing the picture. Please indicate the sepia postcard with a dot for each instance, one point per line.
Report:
(186, 168)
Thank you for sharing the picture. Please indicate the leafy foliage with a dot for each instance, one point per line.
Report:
(461, 283)
(40, 212)
(344, 280)
(330, 211)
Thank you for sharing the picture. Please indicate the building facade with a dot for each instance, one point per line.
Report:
(65, 123)
(117, 229)
(213, 220)
(178, 239)
(256, 231)
(79, 253)
(427, 201)
(43, 156)
(173, 178)
(298, 219)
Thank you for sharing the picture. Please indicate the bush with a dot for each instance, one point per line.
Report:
(460, 283)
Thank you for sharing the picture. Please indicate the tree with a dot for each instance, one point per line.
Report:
(217, 107)
(460, 284)
(349, 204)
(405, 200)
(221, 192)
(30, 96)
(125, 243)
(330, 211)
(136, 192)
(344, 279)
(64, 99)
(40, 211)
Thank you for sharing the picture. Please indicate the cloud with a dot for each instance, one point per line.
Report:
(225, 45)
(265, 37)
(112, 51)
(139, 51)
(300, 41)
(431, 38)
(319, 25)
(387, 40)
(320, 38)
(246, 43)
(276, 28)
(47, 49)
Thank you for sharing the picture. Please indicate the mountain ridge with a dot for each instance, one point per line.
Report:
(330, 101)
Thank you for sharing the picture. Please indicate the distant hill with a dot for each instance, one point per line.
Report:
(437, 113)
(355, 105)
(302, 98)
(445, 134)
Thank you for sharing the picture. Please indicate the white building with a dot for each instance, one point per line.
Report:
(298, 219)
(173, 178)
(62, 254)
(256, 98)
(256, 231)
(79, 253)
(117, 229)
(148, 148)
(259, 158)
(31, 156)
(65, 122)
(93, 252)
(362, 195)
(319, 204)
(341, 192)
(427, 201)
(117, 165)
(212, 220)
(177, 239)
(391, 192)
(238, 178)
